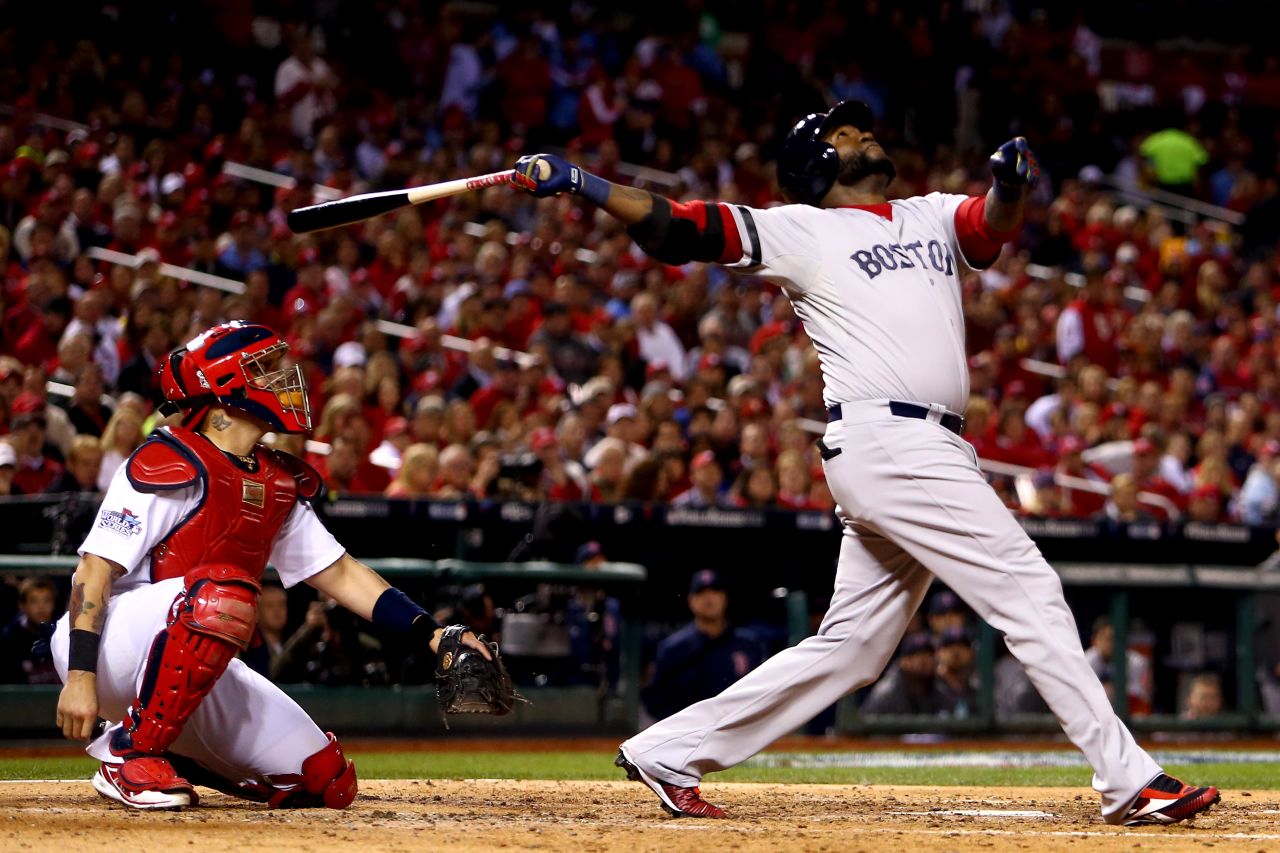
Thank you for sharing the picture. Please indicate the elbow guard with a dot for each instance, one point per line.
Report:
(676, 233)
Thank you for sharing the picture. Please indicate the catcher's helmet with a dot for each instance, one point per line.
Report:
(236, 364)
(808, 164)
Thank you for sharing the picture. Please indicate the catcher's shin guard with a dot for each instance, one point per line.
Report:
(327, 779)
(210, 621)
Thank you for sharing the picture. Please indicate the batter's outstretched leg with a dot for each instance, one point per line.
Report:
(877, 589)
(930, 498)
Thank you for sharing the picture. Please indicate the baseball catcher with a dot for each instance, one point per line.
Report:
(166, 594)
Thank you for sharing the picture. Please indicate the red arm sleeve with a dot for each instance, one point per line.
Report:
(978, 241)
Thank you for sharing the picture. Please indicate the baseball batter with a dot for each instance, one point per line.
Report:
(166, 592)
(876, 284)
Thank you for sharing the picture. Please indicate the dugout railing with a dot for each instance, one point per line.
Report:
(779, 559)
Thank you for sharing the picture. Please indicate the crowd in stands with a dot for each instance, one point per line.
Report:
(591, 372)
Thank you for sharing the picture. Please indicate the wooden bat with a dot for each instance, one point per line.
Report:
(345, 211)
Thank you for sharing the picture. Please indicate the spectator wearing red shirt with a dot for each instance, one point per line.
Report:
(1146, 473)
(341, 469)
(1071, 463)
(524, 78)
(1205, 505)
(39, 464)
(309, 296)
(793, 480)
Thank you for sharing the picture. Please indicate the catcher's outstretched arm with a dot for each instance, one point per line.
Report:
(368, 595)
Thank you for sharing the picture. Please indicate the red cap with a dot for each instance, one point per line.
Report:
(1206, 491)
(1114, 410)
(702, 460)
(26, 403)
(1015, 388)
(395, 426)
(168, 220)
(655, 367)
(1143, 446)
(542, 438)
(754, 407)
(1071, 444)
(710, 360)
(308, 256)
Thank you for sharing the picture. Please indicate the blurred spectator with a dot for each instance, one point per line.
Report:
(1260, 494)
(704, 657)
(329, 648)
(1174, 158)
(24, 649)
(946, 612)
(1205, 505)
(86, 411)
(956, 680)
(268, 640)
(909, 686)
(1203, 698)
(39, 464)
(706, 475)
(8, 467)
(304, 85)
(84, 463)
(121, 437)
(1122, 505)
(416, 476)
(1100, 653)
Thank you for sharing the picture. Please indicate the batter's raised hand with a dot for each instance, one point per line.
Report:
(545, 175)
(1014, 166)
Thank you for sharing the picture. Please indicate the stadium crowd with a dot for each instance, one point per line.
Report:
(586, 371)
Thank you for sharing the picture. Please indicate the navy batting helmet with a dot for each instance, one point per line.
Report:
(808, 164)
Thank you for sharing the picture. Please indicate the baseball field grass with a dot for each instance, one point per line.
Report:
(596, 765)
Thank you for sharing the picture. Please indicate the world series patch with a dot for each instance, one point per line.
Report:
(125, 522)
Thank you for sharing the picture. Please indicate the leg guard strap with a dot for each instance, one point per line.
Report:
(327, 779)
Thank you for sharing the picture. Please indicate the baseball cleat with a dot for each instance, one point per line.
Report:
(1169, 800)
(148, 782)
(679, 802)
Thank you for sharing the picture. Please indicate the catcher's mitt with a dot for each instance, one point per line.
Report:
(466, 683)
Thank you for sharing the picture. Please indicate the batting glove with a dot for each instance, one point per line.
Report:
(1014, 166)
(545, 175)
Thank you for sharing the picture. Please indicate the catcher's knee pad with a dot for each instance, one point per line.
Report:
(210, 621)
(327, 779)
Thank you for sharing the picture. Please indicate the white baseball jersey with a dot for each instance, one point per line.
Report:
(131, 523)
(877, 289)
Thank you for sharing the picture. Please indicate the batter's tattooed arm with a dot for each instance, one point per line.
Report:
(629, 205)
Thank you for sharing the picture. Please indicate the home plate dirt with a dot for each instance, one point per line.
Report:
(485, 815)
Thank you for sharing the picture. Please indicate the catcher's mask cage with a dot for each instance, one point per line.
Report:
(239, 365)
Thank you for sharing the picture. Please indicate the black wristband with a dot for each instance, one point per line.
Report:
(399, 612)
(83, 653)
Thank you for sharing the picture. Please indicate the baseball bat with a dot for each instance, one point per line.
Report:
(357, 208)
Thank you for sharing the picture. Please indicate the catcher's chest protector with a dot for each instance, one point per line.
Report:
(241, 511)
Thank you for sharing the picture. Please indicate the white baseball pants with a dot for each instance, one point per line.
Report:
(914, 504)
(246, 728)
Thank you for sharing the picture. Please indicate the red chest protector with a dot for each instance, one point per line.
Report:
(240, 512)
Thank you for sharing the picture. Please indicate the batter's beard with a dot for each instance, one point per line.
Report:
(857, 165)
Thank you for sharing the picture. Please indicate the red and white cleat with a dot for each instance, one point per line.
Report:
(147, 782)
(1169, 800)
(679, 802)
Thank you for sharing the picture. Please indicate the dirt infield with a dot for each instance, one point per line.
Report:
(604, 817)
